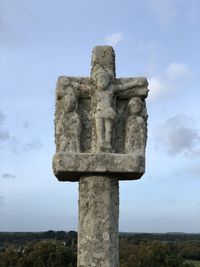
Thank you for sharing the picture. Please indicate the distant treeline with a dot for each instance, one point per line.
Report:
(23, 237)
(59, 248)
(171, 237)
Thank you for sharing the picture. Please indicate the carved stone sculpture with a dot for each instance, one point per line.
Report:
(136, 127)
(95, 130)
(104, 112)
(70, 125)
(106, 87)
(100, 135)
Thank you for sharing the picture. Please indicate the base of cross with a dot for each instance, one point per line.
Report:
(71, 166)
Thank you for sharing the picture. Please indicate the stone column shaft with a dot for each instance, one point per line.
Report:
(98, 222)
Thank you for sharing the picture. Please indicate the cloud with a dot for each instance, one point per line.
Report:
(2, 117)
(177, 71)
(13, 142)
(157, 87)
(35, 144)
(26, 125)
(4, 134)
(172, 77)
(178, 136)
(193, 169)
(8, 176)
(114, 38)
(165, 10)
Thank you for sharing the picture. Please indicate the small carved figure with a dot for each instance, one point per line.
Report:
(104, 113)
(70, 125)
(136, 132)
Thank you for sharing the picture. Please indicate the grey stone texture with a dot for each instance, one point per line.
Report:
(100, 136)
(98, 221)
(100, 118)
(130, 166)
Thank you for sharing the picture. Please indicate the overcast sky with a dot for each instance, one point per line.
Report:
(40, 40)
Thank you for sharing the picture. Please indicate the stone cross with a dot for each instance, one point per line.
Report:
(100, 135)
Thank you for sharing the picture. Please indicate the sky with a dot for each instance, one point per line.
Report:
(41, 40)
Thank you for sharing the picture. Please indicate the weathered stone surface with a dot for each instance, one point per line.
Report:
(94, 119)
(102, 112)
(103, 57)
(95, 115)
(100, 135)
(71, 166)
(98, 221)
(136, 127)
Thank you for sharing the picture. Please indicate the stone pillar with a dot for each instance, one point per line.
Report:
(100, 136)
(98, 221)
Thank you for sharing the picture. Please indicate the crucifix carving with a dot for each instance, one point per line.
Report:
(100, 135)
(91, 117)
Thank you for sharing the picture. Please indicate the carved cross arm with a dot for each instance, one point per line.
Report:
(131, 87)
(81, 86)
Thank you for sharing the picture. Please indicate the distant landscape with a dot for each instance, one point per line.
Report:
(59, 248)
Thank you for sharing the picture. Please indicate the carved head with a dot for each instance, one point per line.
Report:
(135, 106)
(102, 79)
(69, 103)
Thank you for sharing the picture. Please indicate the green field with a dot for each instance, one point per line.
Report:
(196, 263)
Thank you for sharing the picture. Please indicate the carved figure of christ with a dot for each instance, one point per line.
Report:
(105, 114)
(103, 87)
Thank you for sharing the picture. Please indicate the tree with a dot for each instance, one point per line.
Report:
(150, 254)
(40, 254)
